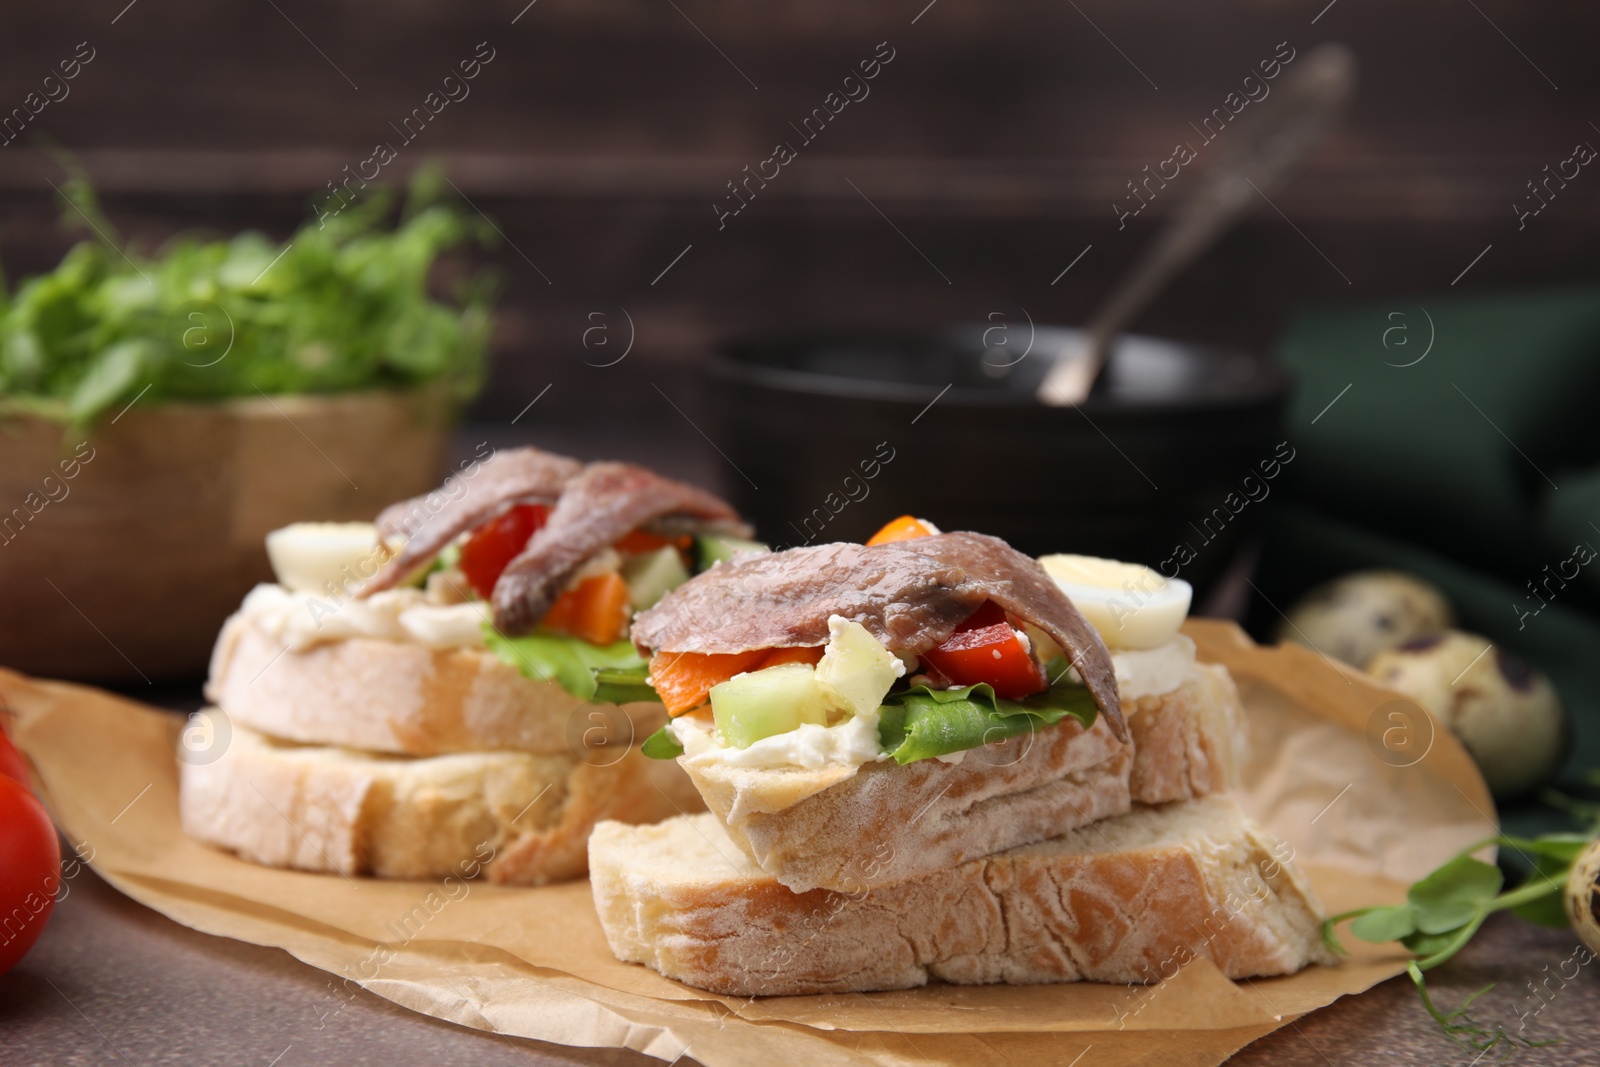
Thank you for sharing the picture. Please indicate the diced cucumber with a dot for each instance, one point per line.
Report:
(714, 548)
(652, 575)
(771, 701)
(856, 668)
(449, 558)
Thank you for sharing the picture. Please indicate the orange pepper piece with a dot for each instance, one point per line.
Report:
(811, 655)
(683, 680)
(595, 610)
(905, 528)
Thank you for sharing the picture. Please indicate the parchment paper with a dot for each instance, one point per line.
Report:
(1369, 792)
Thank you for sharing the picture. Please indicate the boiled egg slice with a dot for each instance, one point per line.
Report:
(1132, 606)
(306, 556)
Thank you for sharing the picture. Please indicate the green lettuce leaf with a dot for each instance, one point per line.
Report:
(661, 745)
(623, 685)
(920, 723)
(600, 674)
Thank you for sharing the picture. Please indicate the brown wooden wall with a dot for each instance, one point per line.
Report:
(602, 132)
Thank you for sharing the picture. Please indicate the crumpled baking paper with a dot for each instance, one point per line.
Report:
(1366, 788)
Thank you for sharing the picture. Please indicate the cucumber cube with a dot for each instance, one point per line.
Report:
(771, 701)
(856, 669)
(652, 576)
(714, 548)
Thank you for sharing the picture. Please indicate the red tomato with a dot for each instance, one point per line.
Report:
(30, 871)
(12, 765)
(498, 542)
(986, 649)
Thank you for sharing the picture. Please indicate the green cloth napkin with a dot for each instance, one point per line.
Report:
(1458, 438)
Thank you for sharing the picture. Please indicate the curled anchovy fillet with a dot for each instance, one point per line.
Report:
(466, 500)
(598, 507)
(911, 595)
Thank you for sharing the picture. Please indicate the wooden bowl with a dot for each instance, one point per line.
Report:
(121, 557)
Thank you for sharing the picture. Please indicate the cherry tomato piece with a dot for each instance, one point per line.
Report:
(30, 871)
(12, 765)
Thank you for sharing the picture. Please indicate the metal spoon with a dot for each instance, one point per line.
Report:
(1255, 157)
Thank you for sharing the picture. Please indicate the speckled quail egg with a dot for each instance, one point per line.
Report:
(1583, 896)
(1354, 617)
(1505, 712)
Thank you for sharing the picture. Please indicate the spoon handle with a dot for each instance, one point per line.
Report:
(1253, 159)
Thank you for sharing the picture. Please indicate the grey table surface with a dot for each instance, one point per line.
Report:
(112, 982)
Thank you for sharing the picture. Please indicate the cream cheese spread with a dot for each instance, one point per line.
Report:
(851, 743)
(301, 620)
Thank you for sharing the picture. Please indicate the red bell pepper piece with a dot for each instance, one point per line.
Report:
(497, 542)
(985, 648)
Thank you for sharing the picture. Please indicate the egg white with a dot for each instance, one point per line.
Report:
(1132, 606)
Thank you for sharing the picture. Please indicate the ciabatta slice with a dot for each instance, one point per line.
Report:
(846, 830)
(401, 697)
(1130, 899)
(523, 819)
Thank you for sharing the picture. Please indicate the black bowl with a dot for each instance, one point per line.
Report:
(1167, 463)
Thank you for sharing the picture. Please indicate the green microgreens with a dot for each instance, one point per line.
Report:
(1585, 811)
(348, 303)
(1445, 909)
(1460, 1026)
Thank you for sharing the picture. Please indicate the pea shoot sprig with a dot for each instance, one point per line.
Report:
(1445, 909)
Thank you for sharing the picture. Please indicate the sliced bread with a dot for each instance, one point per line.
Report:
(401, 697)
(842, 830)
(1130, 899)
(521, 818)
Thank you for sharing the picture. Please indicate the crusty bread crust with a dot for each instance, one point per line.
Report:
(1130, 899)
(832, 829)
(522, 818)
(395, 696)
(1191, 742)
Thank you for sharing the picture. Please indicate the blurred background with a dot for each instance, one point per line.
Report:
(982, 175)
(998, 140)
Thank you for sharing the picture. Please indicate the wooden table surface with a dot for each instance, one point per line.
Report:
(111, 981)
